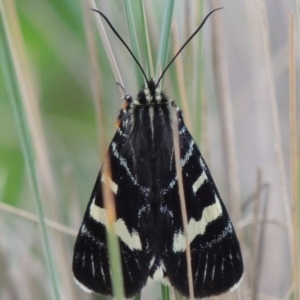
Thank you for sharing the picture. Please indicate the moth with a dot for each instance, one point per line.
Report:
(149, 226)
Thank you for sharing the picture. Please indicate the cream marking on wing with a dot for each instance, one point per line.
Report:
(236, 285)
(93, 265)
(205, 269)
(151, 262)
(188, 154)
(159, 272)
(202, 163)
(82, 286)
(198, 183)
(210, 213)
(83, 259)
(102, 272)
(123, 162)
(214, 268)
(132, 240)
(112, 185)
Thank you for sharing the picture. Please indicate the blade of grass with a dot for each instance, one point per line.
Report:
(182, 203)
(164, 38)
(146, 41)
(134, 42)
(181, 82)
(107, 47)
(197, 79)
(113, 241)
(276, 125)
(255, 238)
(293, 140)
(14, 66)
(137, 297)
(228, 132)
(32, 217)
(109, 201)
(165, 292)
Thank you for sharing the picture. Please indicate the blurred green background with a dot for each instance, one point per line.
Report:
(232, 82)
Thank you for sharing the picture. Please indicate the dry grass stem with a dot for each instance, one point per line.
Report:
(107, 46)
(32, 217)
(255, 239)
(182, 202)
(294, 154)
(227, 120)
(276, 124)
(181, 82)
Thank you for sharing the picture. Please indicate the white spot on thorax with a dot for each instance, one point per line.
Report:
(151, 116)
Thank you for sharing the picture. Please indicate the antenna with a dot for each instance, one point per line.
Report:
(116, 33)
(169, 64)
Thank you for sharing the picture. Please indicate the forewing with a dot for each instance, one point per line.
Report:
(133, 225)
(216, 258)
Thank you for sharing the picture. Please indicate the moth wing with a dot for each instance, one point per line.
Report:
(131, 191)
(216, 258)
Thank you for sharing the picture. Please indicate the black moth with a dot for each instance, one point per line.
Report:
(149, 224)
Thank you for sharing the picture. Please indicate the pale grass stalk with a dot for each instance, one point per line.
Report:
(32, 217)
(260, 241)
(182, 202)
(49, 198)
(250, 219)
(108, 197)
(148, 46)
(278, 139)
(263, 296)
(254, 244)
(289, 292)
(197, 86)
(294, 154)
(181, 81)
(34, 145)
(232, 178)
(164, 39)
(134, 42)
(108, 49)
(113, 241)
(95, 76)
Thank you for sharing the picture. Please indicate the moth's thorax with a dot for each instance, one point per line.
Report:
(148, 116)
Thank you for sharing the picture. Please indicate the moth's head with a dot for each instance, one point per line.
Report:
(151, 94)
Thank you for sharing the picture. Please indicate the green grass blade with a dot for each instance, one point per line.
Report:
(164, 38)
(137, 297)
(115, 265)
(165, 292)
(145, 40)
(198, 85)
(134, 42)
(15, 98)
